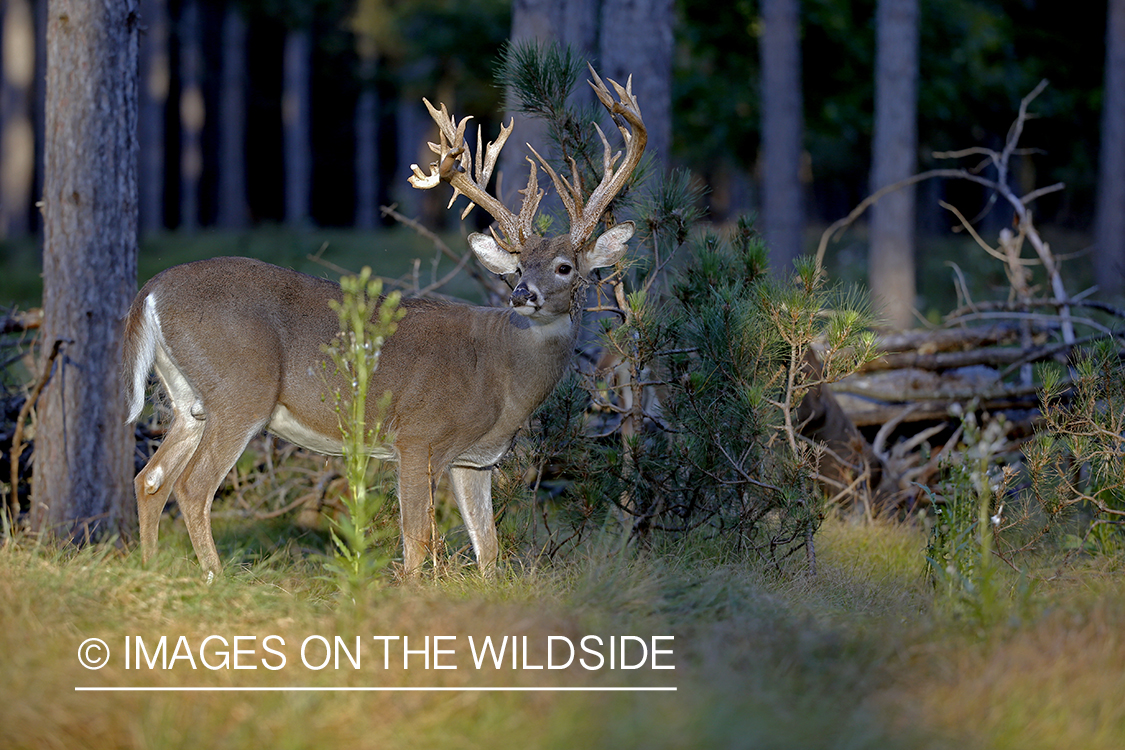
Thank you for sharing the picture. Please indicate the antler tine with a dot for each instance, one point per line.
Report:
(567, 192)
(626, 114)
(531, 197)
(454, 165)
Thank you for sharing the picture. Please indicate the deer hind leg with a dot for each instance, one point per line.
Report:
(473, 490)
(221, 444)
(154, 482)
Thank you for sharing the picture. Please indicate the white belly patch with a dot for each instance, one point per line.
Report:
(283, 424)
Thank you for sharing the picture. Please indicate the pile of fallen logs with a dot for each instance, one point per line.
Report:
(920, 375)
(896, 419)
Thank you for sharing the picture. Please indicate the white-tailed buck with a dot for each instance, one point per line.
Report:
(237, 346)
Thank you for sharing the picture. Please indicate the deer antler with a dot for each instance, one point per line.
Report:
(584, 216)
(454, 165)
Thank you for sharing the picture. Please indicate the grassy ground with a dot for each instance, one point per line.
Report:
(862, 656)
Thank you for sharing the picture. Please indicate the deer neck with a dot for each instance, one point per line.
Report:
(539, 352)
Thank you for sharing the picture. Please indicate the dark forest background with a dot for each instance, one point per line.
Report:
(977, 59)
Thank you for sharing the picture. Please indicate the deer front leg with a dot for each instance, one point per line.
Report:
(415, 484)
(473, 490)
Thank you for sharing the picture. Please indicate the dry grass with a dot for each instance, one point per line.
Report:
(861, 657)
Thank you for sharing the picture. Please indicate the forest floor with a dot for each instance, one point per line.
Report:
(864, 655)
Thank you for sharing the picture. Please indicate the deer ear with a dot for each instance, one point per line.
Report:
(610, 247)
(494, 257)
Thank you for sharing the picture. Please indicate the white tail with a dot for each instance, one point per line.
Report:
(140, 355)
(236, 345)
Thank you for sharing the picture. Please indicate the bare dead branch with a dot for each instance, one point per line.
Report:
(17, 437)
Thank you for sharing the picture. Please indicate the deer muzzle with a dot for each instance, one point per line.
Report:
(524, 297)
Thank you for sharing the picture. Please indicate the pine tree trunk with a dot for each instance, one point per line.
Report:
(1109, 255)
(782, 129)
(193, 114)
(17, 136)
(295, 126)
(233, 210)
(573, 22)
(894, 158)
(367, 150)
(413, 128)
(83, 447)
(637, 40)
(155, 79)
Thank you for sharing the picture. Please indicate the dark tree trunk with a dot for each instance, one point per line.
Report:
(295, 124)
(572, 22)
(1109, 255)
(233, 211)
(893, 158)
(637, 40)
(83, 447)
(193, 114)
(155, 79)
(782, 132)
(367, 148)
(17, 135)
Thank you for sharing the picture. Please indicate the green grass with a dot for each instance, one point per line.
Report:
(863, 656)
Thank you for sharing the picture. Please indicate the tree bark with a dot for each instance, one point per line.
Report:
(82, 485)
(894, 157)
(572, 22)
(1109, 256)
(295, 125)
(17, 135)
(193, 115)
(782, 132)
(155, 79)
(234, 212)
(637, 40)
(367, 149)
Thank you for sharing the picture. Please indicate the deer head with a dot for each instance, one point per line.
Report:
(500, 251)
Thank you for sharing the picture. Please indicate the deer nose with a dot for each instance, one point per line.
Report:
(522, 295)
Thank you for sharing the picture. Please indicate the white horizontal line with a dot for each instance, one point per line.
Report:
(371, 689)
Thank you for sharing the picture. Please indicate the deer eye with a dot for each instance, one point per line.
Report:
(563, 269)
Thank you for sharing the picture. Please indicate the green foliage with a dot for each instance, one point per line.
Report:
(738, 340)
(968, 516)
(695, 419)
(366, 321)
(539, 76)
(1077, 462)
(717, 456)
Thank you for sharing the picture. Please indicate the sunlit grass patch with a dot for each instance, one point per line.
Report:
(862, 656)
(1056, 682)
